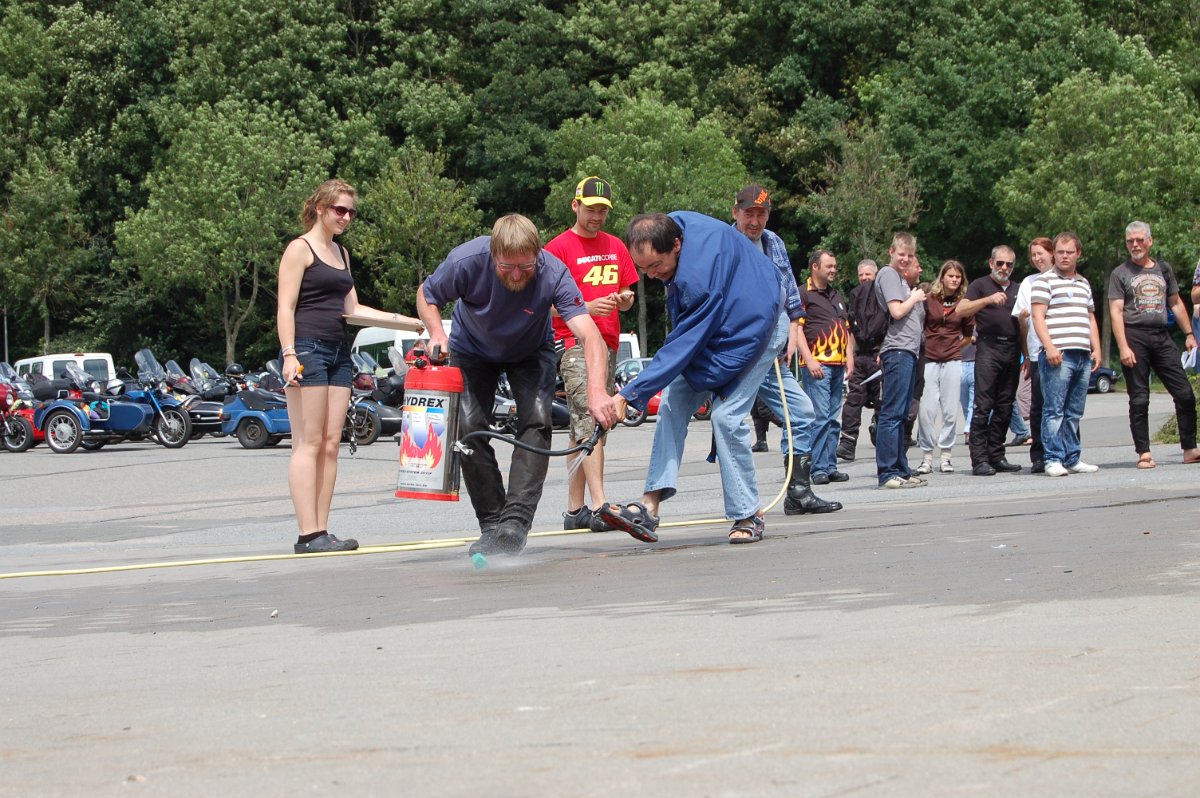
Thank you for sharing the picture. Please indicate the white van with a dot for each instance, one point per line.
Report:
(98, 364)
(376, 340)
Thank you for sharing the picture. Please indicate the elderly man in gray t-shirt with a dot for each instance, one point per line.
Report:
(894, 288)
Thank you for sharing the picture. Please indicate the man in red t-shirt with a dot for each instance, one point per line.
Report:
(605, 274)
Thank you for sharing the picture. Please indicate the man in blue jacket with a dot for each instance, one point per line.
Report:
(726, 301)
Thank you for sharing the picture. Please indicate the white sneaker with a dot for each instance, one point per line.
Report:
(1083, 468)
(894, 482)
(926, 466)
(1056, 470)
(947, 466)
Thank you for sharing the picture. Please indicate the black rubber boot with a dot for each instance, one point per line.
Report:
(800, 498)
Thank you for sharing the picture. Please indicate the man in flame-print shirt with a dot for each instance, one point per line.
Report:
(827, 349)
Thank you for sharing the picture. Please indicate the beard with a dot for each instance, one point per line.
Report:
(512, 283)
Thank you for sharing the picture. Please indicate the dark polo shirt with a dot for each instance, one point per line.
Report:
(944, 330)
(995, 321)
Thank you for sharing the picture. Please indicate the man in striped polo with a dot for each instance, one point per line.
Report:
(1064, 317)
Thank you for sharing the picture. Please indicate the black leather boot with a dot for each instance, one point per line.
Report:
(800, 498)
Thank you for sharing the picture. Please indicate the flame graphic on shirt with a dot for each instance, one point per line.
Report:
(830, 346)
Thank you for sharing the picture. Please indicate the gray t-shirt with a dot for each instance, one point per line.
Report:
(903, 333)
(1146, 292)
(492, 322)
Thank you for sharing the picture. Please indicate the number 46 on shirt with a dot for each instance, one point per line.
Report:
(606, 274)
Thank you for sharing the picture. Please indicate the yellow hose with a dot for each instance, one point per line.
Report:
(418, 545)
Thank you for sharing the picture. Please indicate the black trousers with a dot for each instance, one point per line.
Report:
(1155, 351)
(1036, 452)
(858, 396)
(997, 373)
(532, 383)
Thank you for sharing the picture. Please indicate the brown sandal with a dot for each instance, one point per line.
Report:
(1146, 461)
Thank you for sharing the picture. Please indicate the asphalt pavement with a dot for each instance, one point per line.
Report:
(1016, 634)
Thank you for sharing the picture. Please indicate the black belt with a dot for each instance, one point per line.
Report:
(1005, 339)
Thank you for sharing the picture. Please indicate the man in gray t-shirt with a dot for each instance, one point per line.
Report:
(905, 305)
(904, 333)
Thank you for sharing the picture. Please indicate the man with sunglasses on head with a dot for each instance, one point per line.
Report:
(990, 300)
(503, 287)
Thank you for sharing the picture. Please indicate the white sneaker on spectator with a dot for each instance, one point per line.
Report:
(1083, 468)
(947, 466)
(926, 466)
(895, 482)
(1056, 470)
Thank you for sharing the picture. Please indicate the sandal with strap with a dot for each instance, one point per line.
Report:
(754, 528)
(633, 518)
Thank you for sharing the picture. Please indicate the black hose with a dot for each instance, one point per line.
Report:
(586, 446)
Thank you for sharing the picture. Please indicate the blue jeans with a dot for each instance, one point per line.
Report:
(966, 391)
(826, 396)
(899, 382)
(325, 362)
(799, 407)
(730, 433)
(1064, 393)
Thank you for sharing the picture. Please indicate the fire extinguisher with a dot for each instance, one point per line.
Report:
(429, 445)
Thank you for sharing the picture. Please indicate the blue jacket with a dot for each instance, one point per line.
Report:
(723, 300)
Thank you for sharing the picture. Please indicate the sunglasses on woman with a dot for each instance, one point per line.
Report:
(342, 210)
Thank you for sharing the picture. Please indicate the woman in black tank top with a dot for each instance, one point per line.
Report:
(315, 291)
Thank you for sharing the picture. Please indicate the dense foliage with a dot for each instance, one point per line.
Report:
(154, 153)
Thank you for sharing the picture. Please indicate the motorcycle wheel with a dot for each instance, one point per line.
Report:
(251, 434)
(704, 413)
(173, 428)
(633, 416)
(367, 426)
(92, 446)
(64, 433)
(18, 434)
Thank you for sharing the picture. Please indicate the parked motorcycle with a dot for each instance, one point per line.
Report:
(15, 427)
(172, 424)
(205, 414)
(257, 416)
(75, 411)
(368, 391)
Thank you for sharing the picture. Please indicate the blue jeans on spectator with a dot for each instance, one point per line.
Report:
(966, 392)
(899, 382)
(826, 396)
(1064, 392)
(799, 406)
(732, 436)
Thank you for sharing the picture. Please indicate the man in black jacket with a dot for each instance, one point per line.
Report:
(868, 322)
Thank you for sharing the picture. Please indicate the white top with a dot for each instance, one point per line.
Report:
(1023, 305)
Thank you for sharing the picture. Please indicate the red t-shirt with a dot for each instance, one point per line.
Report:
(600, 266)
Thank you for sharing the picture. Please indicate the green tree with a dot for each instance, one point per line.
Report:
(221, 205)
(960, 91)
(43, 239)
(869, 195)
(1102, 152)
(658, 158)
(412, 215)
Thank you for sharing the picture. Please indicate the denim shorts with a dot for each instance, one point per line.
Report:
(325, 362)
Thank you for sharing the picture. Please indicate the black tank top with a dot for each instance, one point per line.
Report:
(322, 300)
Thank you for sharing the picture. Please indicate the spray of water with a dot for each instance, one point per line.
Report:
(574, 463)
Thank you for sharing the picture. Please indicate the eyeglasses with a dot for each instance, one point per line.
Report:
(1132, 241)
(1008, 263)
(508, 267)
(342, 210)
